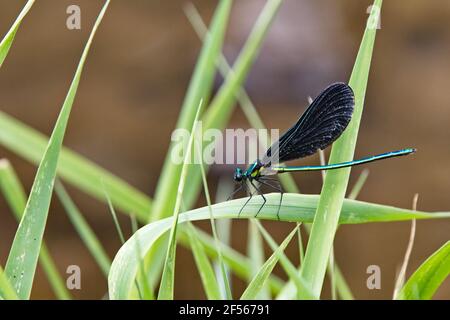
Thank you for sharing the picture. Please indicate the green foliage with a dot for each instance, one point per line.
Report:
(335, 185)
(428, 277)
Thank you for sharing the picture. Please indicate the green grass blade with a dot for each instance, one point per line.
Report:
(224, 276)
(301, 250)
(287, 265)
(54, 277)
(22, 259)
(142, 284)
(333, 191)
(7, 291)
(113, 213)
(289, 290)
(31, 145)
(168, 276)
(200, 87)
(83, 229)
(247, 107)
(224, 189)
(12, 189)
(256, 122)
(222, 106)
(7, 41)
(359, 184)
(73, 168)
(428, 277)
(242, 97)
(295, 208)
(204, 266)
(235, 261)
(255, 286)
(255, 251)
(342, 287)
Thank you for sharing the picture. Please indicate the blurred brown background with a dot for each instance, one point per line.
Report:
(135, 80)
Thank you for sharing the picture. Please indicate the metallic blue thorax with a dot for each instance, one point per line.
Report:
(253, 171)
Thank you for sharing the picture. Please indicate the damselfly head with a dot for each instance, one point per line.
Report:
(238, 176)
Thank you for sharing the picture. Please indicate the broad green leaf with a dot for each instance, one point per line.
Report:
(428, 277)
(295, 208)
(7, 41)
(255, 286)
(333, 191)
(22, 259)
(13, 191)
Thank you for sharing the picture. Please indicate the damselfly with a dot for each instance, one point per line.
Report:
(322, 123)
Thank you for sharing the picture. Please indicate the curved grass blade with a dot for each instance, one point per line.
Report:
(168, 275)
(255, 251)
(224, 276)
(22, 259)
(295, 208)
(14, 193)
(73, 168)
(77, 170)
(204, 266)
(7, 41)
(333, 191)
(222, 106)
(428, 277)
(142, 284)
(287, 265)
(224, 189)
(257, 284)
(113, 213)
(200, 87)
(235, 261)
(83, 229)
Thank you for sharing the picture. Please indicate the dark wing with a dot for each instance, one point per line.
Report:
(321, 124)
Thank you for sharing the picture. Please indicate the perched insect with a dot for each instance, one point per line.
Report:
(321, 124)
